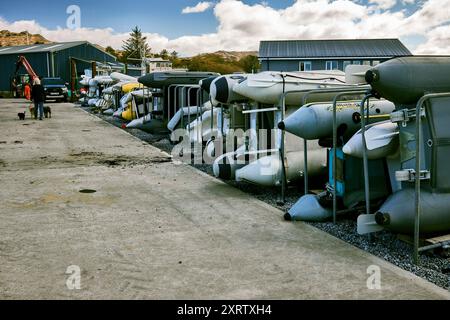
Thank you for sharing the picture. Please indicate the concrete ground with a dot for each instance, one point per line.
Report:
(153, 229)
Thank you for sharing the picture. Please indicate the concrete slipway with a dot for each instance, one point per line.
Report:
(153, 229)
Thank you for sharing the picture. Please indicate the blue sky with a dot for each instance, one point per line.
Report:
(423, 25)
(154, 16)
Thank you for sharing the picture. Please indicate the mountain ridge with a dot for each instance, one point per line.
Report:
(9, 39)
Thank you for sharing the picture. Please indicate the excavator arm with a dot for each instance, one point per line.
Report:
(24, 62)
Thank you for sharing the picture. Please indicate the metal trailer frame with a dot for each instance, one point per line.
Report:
(136, 106)
(183, 88)
(145, 96)
(188, 104)
(365, 155)
(342, 92)
(169, 100)
(305, 101)
(283, 151)
(199, 110)
(335, 101)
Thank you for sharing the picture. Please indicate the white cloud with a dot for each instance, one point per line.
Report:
(384, 4)
(438, 42)
(200, 7)
(242, 26)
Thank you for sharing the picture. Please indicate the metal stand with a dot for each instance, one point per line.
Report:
(365, 156)
(335, 128)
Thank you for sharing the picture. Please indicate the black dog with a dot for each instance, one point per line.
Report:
(21, 115)
(48, 112)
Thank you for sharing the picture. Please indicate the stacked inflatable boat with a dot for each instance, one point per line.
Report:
(354, 133)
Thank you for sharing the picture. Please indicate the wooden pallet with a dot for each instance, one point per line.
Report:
(438, 240)
(428, 244)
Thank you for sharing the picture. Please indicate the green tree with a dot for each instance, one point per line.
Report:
(111, 50)
(174, 55)
(164, 54)
(250, 64)
(136, 46)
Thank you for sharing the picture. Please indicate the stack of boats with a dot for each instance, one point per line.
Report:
(353, 133)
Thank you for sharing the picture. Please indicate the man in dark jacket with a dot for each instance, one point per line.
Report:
(38, 97)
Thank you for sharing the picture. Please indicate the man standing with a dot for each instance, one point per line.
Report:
(27, 91)
(38, 97)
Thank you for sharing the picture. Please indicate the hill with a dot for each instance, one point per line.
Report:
(234, 55)
(8, 38)
(223, 62)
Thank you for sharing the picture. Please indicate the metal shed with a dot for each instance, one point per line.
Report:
(50, 60)
(307, 55)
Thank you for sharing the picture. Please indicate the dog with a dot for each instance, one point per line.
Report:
(21, 115)
(47, 111)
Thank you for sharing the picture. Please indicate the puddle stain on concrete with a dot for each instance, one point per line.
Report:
(76, 198)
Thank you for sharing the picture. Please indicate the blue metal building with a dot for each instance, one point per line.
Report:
(50, 60)
(309, 55)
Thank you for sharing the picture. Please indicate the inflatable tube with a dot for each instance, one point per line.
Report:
(173, 123)
(129, 87)
(309, 209)
(405, 80)
(267, 87)
(205, 84)
(164, 79)
(382, 140)
(266, 171)
(222, 89)
(108, 112)
(120, 77)
(398, 212)
(315, 121)
(225, 166)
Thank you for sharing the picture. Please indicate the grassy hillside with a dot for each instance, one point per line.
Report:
(222, 62)
(8, 38)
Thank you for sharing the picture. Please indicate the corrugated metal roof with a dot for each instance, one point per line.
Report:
(36, 48)
(357, 48)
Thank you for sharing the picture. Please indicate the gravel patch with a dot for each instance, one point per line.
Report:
(434, 266)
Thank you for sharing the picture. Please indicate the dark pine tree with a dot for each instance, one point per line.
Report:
(136, 46)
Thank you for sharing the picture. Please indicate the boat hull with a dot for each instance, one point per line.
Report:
(164, 79)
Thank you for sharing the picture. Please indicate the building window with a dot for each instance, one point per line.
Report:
(305, 66)
(332, 65)
(375, 63)
(366, 63)
(357, 62)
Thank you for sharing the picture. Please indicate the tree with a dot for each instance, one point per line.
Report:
(250, 64)
(111, 50)
(136, 47)
(164, 54)
(174, 55)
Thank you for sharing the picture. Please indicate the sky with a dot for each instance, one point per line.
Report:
(191, 26)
